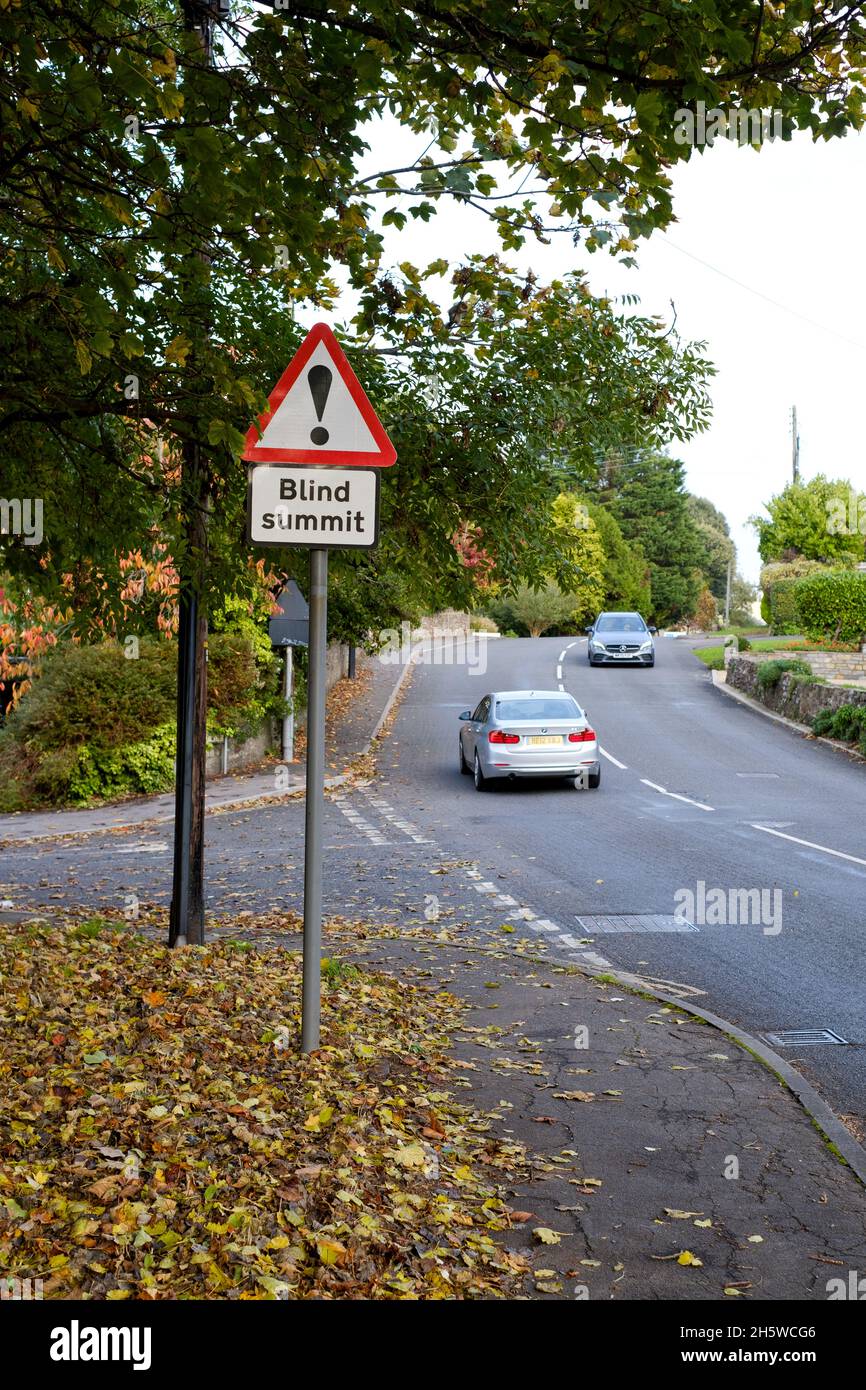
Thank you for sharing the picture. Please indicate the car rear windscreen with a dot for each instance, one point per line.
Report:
(537, 709)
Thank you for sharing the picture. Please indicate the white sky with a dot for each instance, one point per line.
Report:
(786, 222)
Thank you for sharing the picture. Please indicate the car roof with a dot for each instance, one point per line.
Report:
(620, 613)
(531, 695)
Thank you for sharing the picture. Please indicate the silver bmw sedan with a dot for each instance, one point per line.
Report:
(528, 733)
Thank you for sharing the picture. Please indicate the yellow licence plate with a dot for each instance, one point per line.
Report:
(537, 739)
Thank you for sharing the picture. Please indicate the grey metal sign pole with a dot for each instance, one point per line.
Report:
(315, 801)
(289, 717)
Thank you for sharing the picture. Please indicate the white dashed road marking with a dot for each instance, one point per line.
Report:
(386, 810)
(357, 820)
(676, 796)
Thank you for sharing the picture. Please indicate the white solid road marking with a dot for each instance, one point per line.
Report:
(611, 759)
(158, 847)
(676, 796)
(837, 853)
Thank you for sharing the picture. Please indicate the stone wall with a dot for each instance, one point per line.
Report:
(843, 666)
(243, 752)
(793, 696)
(449, 621)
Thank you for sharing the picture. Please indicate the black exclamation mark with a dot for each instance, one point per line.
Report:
(320, 384)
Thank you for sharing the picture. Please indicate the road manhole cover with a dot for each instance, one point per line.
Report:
(804, 1037)
(634, 922)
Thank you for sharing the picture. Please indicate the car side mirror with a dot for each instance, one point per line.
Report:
(654, 629)
(588, 631)
(467, 714)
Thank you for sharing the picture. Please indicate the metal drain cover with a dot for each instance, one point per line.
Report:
(633, 922)
(804, 1037)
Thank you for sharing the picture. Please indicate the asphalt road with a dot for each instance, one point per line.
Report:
(689, 779)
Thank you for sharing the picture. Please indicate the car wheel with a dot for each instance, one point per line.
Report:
(480, 782)
(594, 780)
(464, 766)
(652, 662)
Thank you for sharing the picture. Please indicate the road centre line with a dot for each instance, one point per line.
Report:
(677, 797)
(603, 751)
(825, 849)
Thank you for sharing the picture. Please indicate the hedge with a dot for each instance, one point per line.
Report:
(778, 604)
(833, 605)
(784, 614)
(96, 724)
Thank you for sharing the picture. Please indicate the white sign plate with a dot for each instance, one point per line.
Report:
(321, 508)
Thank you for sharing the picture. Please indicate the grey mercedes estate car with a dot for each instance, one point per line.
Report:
(528, 733)
(615, 638)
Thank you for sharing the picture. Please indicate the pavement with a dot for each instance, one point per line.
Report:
(549, 910)
(356, 711)
(667, 1162)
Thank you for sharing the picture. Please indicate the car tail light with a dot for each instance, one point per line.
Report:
(585, 736)
(497, 736)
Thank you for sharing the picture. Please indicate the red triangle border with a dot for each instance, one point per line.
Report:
(383, 457)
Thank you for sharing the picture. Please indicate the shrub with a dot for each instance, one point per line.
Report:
(848, 723)
(770, 672)
(97, 724)
(833, 604)
(96, 695)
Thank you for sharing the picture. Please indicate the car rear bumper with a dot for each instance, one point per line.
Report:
(523, 767)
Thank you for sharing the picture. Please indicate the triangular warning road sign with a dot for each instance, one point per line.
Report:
(318, 413)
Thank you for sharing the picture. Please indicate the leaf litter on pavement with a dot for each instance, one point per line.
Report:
(162, 1137)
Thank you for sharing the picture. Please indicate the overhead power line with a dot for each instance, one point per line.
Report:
(750, 289)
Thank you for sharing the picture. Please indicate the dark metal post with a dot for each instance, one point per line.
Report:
(315, 809)
(351, 661)
(186, 919)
